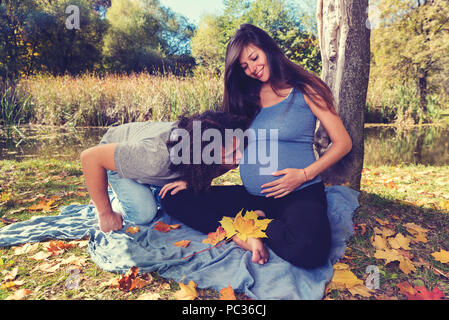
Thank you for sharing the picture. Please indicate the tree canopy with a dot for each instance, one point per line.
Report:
(291, 29)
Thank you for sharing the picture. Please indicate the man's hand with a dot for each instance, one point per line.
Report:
(110, 222)
(174, 186)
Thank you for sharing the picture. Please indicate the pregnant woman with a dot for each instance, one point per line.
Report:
(280, 98)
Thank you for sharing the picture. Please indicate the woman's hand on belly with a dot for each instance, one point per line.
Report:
(292, 178)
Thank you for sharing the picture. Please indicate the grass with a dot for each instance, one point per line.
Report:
(399, 194)
(91, 100)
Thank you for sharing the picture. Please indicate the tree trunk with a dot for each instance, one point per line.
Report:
(345, 50)
(422, 86)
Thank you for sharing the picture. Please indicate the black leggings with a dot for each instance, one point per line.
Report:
(299, 232)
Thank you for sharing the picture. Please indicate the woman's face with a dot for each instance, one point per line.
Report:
(254, 63)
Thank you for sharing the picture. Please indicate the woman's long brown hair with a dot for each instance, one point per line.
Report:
(241, 93)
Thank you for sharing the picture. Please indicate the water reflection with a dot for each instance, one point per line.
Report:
(428, 145)
(384, 145)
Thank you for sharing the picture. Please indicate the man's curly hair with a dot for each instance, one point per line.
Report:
(199, 176)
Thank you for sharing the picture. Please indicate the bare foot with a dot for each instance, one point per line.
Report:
(255, 245)
(260, 213)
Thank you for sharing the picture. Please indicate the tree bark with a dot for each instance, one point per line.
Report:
(345, 50)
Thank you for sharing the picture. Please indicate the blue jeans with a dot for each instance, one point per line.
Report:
(137, 202)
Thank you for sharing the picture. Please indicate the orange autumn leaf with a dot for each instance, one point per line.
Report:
(227, 293)
(215, 237)
(44, 205)
(57, 247)
(182, 243)
(132, 230)
(186, 291)
(163, 227)
(130, 280)
(420, 292)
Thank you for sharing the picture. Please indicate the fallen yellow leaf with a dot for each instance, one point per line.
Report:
(132, 230)
(405, 264)
(186, 292)
(344, 278)
(379, 242)
(399, 242)
(441, 256)
(182, 243)
(227, 293)
(19, 294)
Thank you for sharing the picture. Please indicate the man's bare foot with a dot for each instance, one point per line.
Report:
(255, 245)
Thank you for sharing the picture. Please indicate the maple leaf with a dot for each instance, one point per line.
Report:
(132, 230)
(379, 242)
(227, 293)
(441, 256)
(186, 292)
(420, 292)
(130, 280)
(417, 231)
(244, 227)
(163, 227)
(343, 278)
(57, 247)
(182, 243)
(215, 237)
(44, 205)
(399, 242)
(391, 255)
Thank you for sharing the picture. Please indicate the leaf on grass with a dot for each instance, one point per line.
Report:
(41, 255)
(417, 231)
(11, 284)
(344, 278)
(441, 256)
(392, 255)
(420, 292)
(25, 249)
(382, 222)
(182, 243)
(384, 231)
(49, 267)
(130, 280)
(132, 230)
(215, 237)
(11, 275)
(19, 294)
(227, 293)
(379, 242)
(74, 260)
(44, 205)
(163, 227)
(244, 227)
(57, 247)
(186, 292)
(400, 241)
(149, 296)
(5, 196)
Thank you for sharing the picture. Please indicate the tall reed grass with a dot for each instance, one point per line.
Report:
(400, 104)
(90, 100)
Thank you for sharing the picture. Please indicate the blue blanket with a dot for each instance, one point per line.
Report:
(151, 250)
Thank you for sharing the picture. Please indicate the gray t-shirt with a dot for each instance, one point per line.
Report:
(142, 153)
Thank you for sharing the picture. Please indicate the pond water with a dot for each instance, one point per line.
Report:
(384, 145)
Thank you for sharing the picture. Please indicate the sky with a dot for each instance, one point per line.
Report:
(194, 9)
